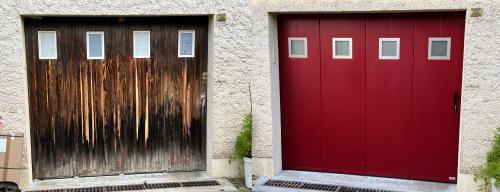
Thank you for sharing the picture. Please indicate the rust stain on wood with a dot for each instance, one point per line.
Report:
(120, 114)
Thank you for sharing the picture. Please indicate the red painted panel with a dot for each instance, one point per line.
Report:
(388, 98)
(300, 95)
(435, 123)
(343, 96)
(368, 116)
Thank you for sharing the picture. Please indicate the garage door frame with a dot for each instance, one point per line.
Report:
(208, 87)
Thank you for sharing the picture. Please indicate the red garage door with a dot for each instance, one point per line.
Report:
(373, 94)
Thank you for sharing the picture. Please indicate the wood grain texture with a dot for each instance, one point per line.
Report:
(120, 114)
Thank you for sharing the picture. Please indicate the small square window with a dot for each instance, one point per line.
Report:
(186, 43)
(342, 48)
(388, 48)
(95, 45)
(141, 44)
(47, 45)
(297, 47)
(439, 48)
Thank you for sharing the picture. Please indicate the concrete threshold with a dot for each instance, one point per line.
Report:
(380, 183)
(79, 182)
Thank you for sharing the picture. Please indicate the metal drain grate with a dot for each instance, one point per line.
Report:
(319, 187)
(85, 189)
(135, 187)
(355, 189)
(200, 183)
(162, 185)
(125, 187)
(282, 183)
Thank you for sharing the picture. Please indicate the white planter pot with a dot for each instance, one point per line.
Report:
(493, 188)
(248, 172)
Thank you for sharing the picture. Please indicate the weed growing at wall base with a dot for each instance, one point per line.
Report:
(243, 146)
(489, 175)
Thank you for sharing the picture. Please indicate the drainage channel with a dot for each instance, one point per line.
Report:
(319, 187)
(135, 187)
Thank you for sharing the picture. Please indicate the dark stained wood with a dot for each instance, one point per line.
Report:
(120, 114)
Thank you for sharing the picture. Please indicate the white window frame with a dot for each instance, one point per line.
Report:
(448, 50)
(88, 33)
(334, 55)
(380, 40)
(179, 43)
(290, 39)
(40, 45)
(149, 45)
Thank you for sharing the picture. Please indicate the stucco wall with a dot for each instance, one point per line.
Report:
(243, 50)
(480, 112)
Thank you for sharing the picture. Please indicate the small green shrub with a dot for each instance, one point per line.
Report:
(243, 146)
(491, 168)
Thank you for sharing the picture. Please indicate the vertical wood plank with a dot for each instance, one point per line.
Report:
(120, 114)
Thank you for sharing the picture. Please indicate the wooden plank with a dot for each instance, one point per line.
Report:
(120, 114)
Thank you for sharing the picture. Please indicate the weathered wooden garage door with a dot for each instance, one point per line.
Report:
(372, 94)
(117, 114)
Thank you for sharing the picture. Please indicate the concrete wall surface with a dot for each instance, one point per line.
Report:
(243, 50)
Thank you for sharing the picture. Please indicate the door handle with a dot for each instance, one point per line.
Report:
(203, 99)
(455, 101)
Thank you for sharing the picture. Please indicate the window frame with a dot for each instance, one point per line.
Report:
(334, 55)
(290, 39)
(40, 57)
(398, 48)
(448, 48)
(88, 33)
(134, 45)
(193, 38)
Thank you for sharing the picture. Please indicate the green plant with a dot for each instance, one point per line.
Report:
(243, 146)
(491, 168)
